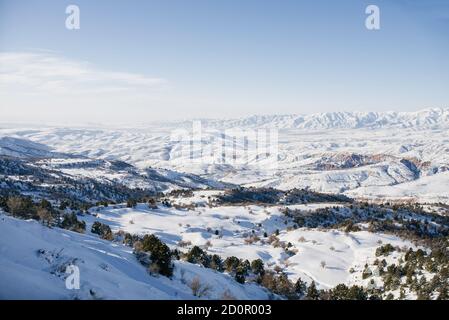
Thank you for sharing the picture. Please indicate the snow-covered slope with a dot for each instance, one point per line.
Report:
(20, 148)
(226, 231)
(432, 189)
(32, 169)
(33, 261)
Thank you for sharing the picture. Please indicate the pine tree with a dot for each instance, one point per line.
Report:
(216, 263)
(103, 230)
(312, 292)
(195, 255)
(231, 264)
(300, 287)
(240, 275)
(257, 267)
(160, 254)
(70, 222)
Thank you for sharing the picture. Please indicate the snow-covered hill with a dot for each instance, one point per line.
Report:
(34, 259)
(33, 169)
(328, 244)
(236, 224)
(21, 148)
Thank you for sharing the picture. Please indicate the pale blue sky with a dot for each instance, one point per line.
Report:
(146, 60)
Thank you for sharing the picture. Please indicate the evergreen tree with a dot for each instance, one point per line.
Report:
(240, 275)
(103, 230)
(196, 255)
(257, 267)
(70, 222)
(231, 264)
(216, 263)
(312, 292)
(245, 265)
(45, 204)
(160, 254)
(300, 287)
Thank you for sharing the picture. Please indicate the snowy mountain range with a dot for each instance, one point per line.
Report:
(393, 155)
(427, 118)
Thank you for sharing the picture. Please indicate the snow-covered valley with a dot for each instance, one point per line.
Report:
(367, 155)
(233, 231)
(354, 205)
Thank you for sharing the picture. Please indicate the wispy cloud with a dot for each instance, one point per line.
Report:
(46, 72)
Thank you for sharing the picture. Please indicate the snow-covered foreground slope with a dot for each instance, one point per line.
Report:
(227, 231)
(33, 260)
(359, 154)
